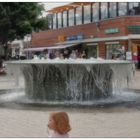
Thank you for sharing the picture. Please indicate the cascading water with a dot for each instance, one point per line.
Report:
(72, 81)
(67, 82)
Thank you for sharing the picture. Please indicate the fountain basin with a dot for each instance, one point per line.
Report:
(72, 80)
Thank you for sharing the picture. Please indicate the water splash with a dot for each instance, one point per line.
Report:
(73, 81)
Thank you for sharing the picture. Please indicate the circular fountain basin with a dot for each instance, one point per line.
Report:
(72, 82)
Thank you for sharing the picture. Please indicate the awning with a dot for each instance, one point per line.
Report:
(50, 47)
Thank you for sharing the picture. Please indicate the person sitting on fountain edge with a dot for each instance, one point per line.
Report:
(58, 125)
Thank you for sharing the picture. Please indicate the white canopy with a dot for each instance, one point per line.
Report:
(50, 47)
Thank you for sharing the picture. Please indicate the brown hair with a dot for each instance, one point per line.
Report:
(61, 120)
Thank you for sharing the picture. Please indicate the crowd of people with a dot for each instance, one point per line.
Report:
(65, 54)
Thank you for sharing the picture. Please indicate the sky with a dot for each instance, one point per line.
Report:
(51, 5)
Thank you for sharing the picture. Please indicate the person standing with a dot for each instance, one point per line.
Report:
(73, 55)
(83, 55)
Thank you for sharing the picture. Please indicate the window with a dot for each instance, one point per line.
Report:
(49, 17)
(54, 21)
(96, 12)
(133, 4)
(115, 51)
(65, 19)
(59, 15)
(122, 8)
(134, 8)
(92, 51)
(79, 15)
(104, 12)
(112, 9)
(87, 14)
(71, 17)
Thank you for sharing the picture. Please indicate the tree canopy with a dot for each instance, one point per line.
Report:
(20, 18)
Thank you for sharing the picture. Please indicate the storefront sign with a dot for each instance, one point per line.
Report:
(111, 30)
(61, 38)
(134, 29)
(74, 37)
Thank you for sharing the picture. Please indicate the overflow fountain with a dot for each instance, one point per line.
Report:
(80, 81)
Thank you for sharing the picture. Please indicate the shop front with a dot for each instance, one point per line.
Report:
(114, 50)
(92, 50)
(135, 47)
(138, 56)
(134, 31)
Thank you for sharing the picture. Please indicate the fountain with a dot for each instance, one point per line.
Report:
(69, 81)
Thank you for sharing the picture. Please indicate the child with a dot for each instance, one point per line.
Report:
(58, 125)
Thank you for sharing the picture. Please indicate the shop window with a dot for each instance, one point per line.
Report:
(95, 12)
(92, 51)
(115, 51)
(87, 13)
(78, 15)
(71, 17)
(104, 7)
(65, 19)
(54, 21)
(122, 6)
(59, 16)
(112, 9)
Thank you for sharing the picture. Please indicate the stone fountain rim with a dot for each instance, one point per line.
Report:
(70, 61)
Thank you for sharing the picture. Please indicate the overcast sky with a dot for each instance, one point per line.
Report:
(50, 5)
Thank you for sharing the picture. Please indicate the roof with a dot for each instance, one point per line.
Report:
(68, 6)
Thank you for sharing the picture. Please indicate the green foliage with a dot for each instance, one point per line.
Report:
(20, 18)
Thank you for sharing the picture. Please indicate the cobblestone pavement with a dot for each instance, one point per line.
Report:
(89, 122)
(84, 123)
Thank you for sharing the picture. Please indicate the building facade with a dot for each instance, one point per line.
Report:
(16, 47)
(105, 29)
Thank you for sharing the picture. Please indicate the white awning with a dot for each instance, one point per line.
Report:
(50, 47)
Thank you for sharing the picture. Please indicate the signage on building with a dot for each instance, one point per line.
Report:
(74, 37)
(61, 38)
(111, 30)
(134, 29)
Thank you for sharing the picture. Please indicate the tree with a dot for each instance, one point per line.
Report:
(18, 19)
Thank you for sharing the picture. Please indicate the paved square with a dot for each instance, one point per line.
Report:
(16, 121)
